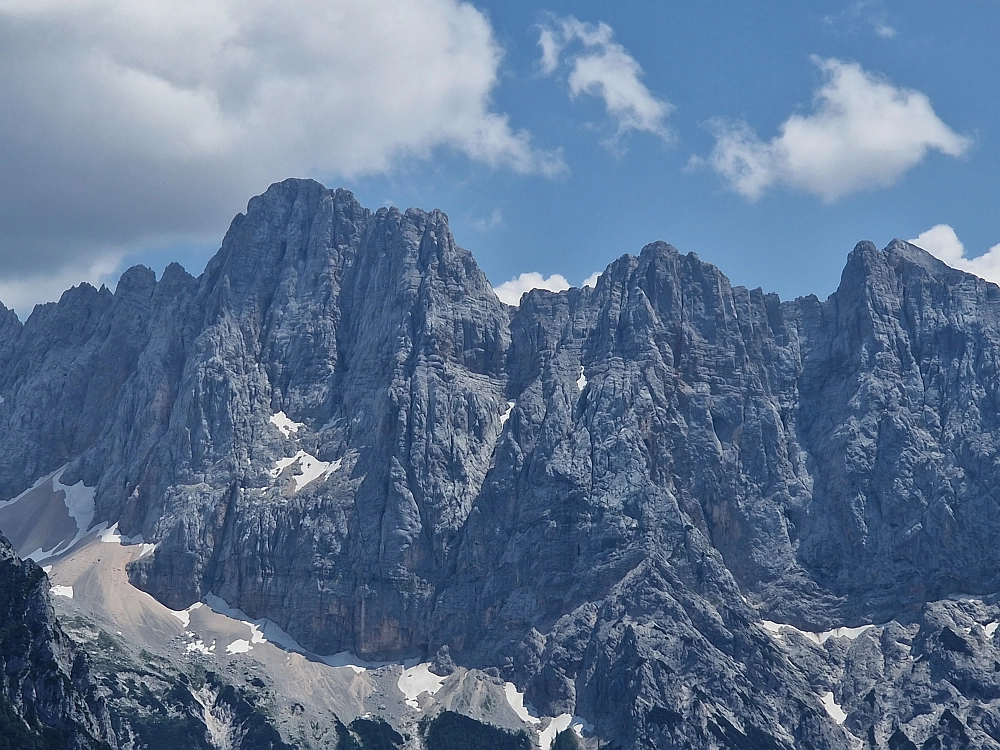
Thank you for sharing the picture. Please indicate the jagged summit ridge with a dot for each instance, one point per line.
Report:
(594, 492)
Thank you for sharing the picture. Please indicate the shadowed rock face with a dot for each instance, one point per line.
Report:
(609, 541)
(47, 697)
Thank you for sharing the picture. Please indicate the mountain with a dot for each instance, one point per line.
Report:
(687, 513)
(48, 699)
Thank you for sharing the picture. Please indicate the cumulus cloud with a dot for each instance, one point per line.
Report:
(133, 122)
(510, 292)
(863, 133)
(942, 242)
(599, 66)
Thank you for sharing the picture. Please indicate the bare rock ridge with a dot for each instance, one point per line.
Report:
(613, 496)
(48, 700)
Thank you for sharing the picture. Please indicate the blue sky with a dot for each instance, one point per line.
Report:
(898, 132)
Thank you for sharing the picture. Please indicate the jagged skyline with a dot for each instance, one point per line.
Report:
(556, 136)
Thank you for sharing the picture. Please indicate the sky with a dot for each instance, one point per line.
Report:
(766, 137)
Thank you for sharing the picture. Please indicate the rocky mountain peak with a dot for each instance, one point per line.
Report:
(623, 491)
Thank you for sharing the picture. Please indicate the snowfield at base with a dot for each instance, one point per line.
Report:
(581, 382)
(184, 615)
(516, 701)
(66, 591)
(417, 680)
(310, 468)
(286, 425)
(112, 536)
(833, 708)
(560, 723)
(263, 630)
(222, 607)
(40, 554)
(239, 646)
(774, 628)
(506, 415)
(348, 659)
(79, 501)
(556, 724)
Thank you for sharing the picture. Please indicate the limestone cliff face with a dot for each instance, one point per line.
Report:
(600, 492)
(47, 697)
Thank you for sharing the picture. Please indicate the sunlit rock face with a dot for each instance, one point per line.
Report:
(600, 492)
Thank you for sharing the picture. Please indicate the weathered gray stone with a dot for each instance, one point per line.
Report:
(598, 493)
(47, 695)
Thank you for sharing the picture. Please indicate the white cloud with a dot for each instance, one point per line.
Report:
(510, 292)
(863, 133)
(599, 66)
(591, 280)
(942, 242)
(126, 122)
(884, 30)
(863, 15)
(485, 224)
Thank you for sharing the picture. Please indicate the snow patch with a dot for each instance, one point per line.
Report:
(262, 630)
(581, 382)
(506, 415)
(46, 569)
(833, 708)
(222, 607)
(416, 681)
(286, 425)
(199, 646)
(79, 501)
(40, 554)
(516, 701)
(184, 615)
(990, 629)
(818, 638)
(310, 468)
(560, 723)
(239, 646)
(66, 591)
(111, 536)
(353, 661)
